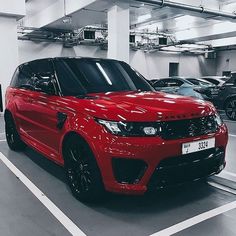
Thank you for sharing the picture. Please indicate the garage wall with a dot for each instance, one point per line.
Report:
(156, 65)
(226, 61)
(151, 65)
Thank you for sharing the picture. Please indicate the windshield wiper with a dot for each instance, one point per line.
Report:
(85, 96)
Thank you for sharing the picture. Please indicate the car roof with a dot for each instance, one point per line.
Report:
(215, 77)
(58, 58)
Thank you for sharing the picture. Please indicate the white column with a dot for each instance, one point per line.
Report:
(9, 51)
(10, 12)
(118, 32)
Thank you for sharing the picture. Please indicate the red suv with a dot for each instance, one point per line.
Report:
(110, 130)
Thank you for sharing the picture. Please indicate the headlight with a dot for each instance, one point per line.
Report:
(138, 129)
(218, 119)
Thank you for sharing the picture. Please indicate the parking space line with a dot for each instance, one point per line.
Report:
(57, 213)
(222, 187)
(229, 173)
(196, 220)
(232, 135)
(3, 140)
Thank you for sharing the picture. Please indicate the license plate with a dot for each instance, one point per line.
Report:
(198, 146)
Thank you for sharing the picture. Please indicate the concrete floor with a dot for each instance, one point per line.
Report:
(22, 214)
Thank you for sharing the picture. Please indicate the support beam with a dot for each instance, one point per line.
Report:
(118, 32)
(55, 12)
(13, 8)
(221, 42)
(216, 31)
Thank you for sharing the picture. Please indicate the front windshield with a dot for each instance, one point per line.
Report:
(85, 76)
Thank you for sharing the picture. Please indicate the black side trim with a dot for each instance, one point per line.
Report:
(61, 119)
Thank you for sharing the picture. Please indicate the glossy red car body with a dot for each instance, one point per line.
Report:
(35, 116)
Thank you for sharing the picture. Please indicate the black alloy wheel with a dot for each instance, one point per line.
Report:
(82, 171)
(230, 109)
(13, 138)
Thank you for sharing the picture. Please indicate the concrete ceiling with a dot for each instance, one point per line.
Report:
(147, 16)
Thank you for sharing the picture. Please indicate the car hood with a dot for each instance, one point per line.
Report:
(142, 106)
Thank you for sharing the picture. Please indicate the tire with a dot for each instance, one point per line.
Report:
(82, 172)
(13, 138)
(230, 109)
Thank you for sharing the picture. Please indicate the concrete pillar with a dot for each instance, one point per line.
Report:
(9, 51)
(10, 12)
(118, 32)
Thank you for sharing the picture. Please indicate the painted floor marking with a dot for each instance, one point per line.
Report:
(196, 220)
(222, 187)
(58, 214)
(232, 135)
(229, 173)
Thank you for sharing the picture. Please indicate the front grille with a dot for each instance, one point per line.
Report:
(188, 128)
(180, 169)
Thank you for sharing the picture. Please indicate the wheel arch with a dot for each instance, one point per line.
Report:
(65, 139)
(229, 98)
(7, 113)
(71, 134)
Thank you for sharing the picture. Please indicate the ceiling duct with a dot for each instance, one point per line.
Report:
(199, 9)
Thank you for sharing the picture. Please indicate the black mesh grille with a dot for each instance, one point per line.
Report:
(128, 170)
(188, 128)
(181, 169)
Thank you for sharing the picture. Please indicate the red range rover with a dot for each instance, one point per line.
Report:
(110, 130)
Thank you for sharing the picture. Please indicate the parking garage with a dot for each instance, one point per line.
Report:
(184, 54)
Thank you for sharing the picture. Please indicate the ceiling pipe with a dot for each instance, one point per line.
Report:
(199, 9)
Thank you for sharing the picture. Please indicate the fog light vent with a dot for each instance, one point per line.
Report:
(128, 171)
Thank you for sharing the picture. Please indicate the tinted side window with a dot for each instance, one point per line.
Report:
(212, 81)
(14, 78)
(41, 70)
(196, 82)
(178, 82)
(173, 83)
(42, 67)
(22, 77)
(159, 84)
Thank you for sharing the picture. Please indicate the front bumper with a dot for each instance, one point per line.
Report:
(191, 167)
(153, 152)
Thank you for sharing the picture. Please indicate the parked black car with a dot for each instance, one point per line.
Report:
(226, 98)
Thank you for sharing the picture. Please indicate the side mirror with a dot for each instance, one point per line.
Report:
(45, 86)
